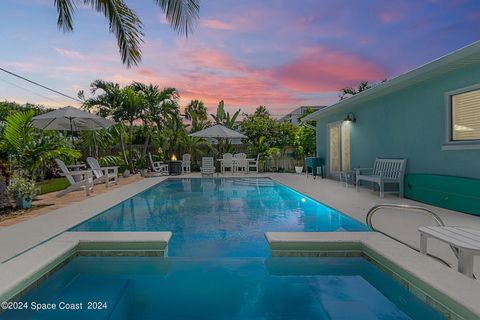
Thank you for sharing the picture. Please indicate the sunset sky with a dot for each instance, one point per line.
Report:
(278, 53)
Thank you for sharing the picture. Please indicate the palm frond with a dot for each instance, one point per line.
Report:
(182, 15)
(65, 10)
(125, 25)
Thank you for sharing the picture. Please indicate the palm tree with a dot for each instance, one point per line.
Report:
(126, 25)
(197, 113)
(160, 108)
(129, 111)
(223, 118)
(105, 103)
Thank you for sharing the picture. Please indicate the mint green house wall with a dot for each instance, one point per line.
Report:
(409, 123)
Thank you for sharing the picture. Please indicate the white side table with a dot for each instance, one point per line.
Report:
(465, 240)
(348, 178)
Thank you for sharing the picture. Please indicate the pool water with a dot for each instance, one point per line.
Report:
(225, 288)
(220, 217)
(219, 266)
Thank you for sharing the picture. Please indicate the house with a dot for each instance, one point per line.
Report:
(293, 116)
(430, 115)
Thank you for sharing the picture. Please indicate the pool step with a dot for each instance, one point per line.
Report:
(259, 182)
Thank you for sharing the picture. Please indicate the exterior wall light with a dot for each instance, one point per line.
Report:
(350, 118)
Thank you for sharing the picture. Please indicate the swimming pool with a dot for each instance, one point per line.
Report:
(218, 265)
(231, 288)
(224, 217)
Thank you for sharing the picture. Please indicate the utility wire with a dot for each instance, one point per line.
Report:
(40, 85)
(36, 93)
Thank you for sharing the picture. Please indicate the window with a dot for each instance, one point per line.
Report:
(463, 119)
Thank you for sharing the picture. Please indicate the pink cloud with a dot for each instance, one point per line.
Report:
(216, 24)
(389, 16)
(69, 53)
(323, 69)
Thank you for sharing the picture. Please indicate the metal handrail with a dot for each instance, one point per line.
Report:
(431, 214)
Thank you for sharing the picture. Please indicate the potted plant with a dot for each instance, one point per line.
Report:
(299, 156)
(23, 191)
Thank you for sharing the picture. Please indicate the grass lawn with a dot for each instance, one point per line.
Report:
(52, 185)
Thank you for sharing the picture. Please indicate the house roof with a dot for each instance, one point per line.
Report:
(299, 111)
(455, 60)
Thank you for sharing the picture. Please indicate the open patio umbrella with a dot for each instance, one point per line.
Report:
(71, 119)
(218, 132)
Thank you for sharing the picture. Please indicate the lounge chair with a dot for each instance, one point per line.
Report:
(208, 167)
(158, 166)
(186, 165)
(107, 175)
(82, 179)
(384, 171)
(253, 164)
(241, 163)
(227, 162)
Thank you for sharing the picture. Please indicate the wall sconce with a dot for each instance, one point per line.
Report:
(350, 118)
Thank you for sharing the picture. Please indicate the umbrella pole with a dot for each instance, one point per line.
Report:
(71, 130)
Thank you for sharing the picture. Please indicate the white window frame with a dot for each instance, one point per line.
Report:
(451, 144)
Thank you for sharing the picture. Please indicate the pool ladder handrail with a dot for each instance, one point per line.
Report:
(435, 217)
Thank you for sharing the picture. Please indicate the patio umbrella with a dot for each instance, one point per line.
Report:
(71, 119)
(218, 132)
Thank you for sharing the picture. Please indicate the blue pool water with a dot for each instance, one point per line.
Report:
(223, 217)
(231, 288)
(218, 265)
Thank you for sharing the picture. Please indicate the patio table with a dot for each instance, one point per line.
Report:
(465, 240)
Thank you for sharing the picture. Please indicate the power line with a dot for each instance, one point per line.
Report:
(40, 85)
(36, 93)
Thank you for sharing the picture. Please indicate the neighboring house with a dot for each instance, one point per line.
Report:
(430, 116)
(293, 116)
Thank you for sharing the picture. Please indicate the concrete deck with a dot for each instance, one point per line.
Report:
(402, 225)
(27, 269)
(19, 237)
(455, 292)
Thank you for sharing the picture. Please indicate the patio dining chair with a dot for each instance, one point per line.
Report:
(158, 166)
(227, 163)
(253, 164)
(186, 164)
(78, 180)
(241, 162)
(107, 175)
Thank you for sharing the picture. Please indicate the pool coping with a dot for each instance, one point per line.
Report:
(20, 274)
(41, 229)
(449, 291)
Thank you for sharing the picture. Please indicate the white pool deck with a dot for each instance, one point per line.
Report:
(17, 241)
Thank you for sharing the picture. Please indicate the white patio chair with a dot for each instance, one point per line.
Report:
(253, 164)
(227, 162)
(107, 175)
(186, 164)
(158, 166)
(81, 179)
(241, 163)
(208, 166)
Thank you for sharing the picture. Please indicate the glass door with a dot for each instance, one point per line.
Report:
(338, 134)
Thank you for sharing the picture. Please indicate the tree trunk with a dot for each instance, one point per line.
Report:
(122, 145)
(130, 155)
(144, 149)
